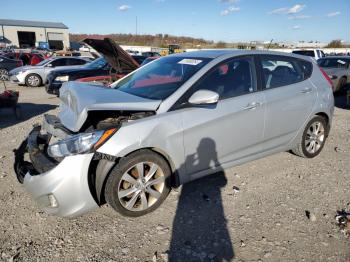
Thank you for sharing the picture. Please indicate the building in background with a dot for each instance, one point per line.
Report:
(28, 34)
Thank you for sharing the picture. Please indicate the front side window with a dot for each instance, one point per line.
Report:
(162, 78)
(229, 79)
(280, 71)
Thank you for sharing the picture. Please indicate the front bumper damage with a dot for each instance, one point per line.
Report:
(60, 188)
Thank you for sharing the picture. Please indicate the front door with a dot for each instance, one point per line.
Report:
(233, 128)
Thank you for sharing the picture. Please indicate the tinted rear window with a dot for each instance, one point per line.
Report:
(304, 52)
(282, 71)
(334, 63)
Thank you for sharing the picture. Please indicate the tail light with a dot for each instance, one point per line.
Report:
(327, 78)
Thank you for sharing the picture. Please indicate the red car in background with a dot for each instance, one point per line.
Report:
(27, 58)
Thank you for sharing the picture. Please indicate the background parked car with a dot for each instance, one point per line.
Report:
(115, 61)
(149, 59)
(6, 65)
(315, 53)
(149, 54)
(139, 58)
(35, 76)
(27, 58)
(338, 70)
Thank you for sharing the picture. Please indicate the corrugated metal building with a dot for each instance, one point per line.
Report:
(26, 34)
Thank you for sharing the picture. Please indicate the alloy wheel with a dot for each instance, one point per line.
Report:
(315, 137)
(33, 80)
(141, 186)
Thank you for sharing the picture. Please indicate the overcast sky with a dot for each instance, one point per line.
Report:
(227, 20)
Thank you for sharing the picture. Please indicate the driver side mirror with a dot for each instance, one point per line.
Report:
(49, 65)
(204, 97)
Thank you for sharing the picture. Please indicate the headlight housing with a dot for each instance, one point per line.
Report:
(62, 78)
(80, 144)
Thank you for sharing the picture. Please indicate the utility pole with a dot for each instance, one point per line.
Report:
(136, 25)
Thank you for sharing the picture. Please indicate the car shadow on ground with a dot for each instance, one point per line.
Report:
(27, 111)
(340, 99)
(199, 231)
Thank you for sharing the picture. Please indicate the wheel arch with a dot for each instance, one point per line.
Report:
(100, 169)
(326, 118)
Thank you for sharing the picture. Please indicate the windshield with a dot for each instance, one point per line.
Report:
(334, 63)
(97, 64)
(160, 79)
(44, 62)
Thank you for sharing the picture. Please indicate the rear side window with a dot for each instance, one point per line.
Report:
(59, 62)
(282, 71)
(76, 62)
(306, 68)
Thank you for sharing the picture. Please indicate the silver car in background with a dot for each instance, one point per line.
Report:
(338, 70)
(174, 120)
(34, 76)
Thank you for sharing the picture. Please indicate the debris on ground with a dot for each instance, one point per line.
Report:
(337, 149)
(310, 216)
(235, 189)
(343, 221)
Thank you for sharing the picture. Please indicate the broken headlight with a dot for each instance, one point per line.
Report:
(80, 144)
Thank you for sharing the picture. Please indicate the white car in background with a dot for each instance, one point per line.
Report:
(315, 53)
(34, 76)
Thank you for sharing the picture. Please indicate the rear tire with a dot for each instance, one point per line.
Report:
(33, 80)
(313, 139)
(133, 195)
(341, 84)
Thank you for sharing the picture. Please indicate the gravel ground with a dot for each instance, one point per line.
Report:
(280, 208)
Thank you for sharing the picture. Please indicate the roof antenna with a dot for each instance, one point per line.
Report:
(269, 44)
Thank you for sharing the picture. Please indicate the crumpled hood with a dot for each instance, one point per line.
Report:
(119, 59)
(77, 99)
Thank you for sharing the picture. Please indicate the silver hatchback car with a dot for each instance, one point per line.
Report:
(177, 119)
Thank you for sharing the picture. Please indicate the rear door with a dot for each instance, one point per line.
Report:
(289, 97)
(233, 128)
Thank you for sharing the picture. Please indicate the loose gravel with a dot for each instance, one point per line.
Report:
(280, 208)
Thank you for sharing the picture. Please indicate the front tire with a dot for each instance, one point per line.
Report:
(313, 139)
(33, 80)
(138, 184)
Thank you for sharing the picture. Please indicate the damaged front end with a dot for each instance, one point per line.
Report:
(53, 162)
(35, 145)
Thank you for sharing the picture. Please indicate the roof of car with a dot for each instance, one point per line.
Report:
(336, 57)
(222, 52)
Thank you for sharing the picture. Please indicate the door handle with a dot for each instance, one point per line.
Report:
(306, 90)
(252, 105)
